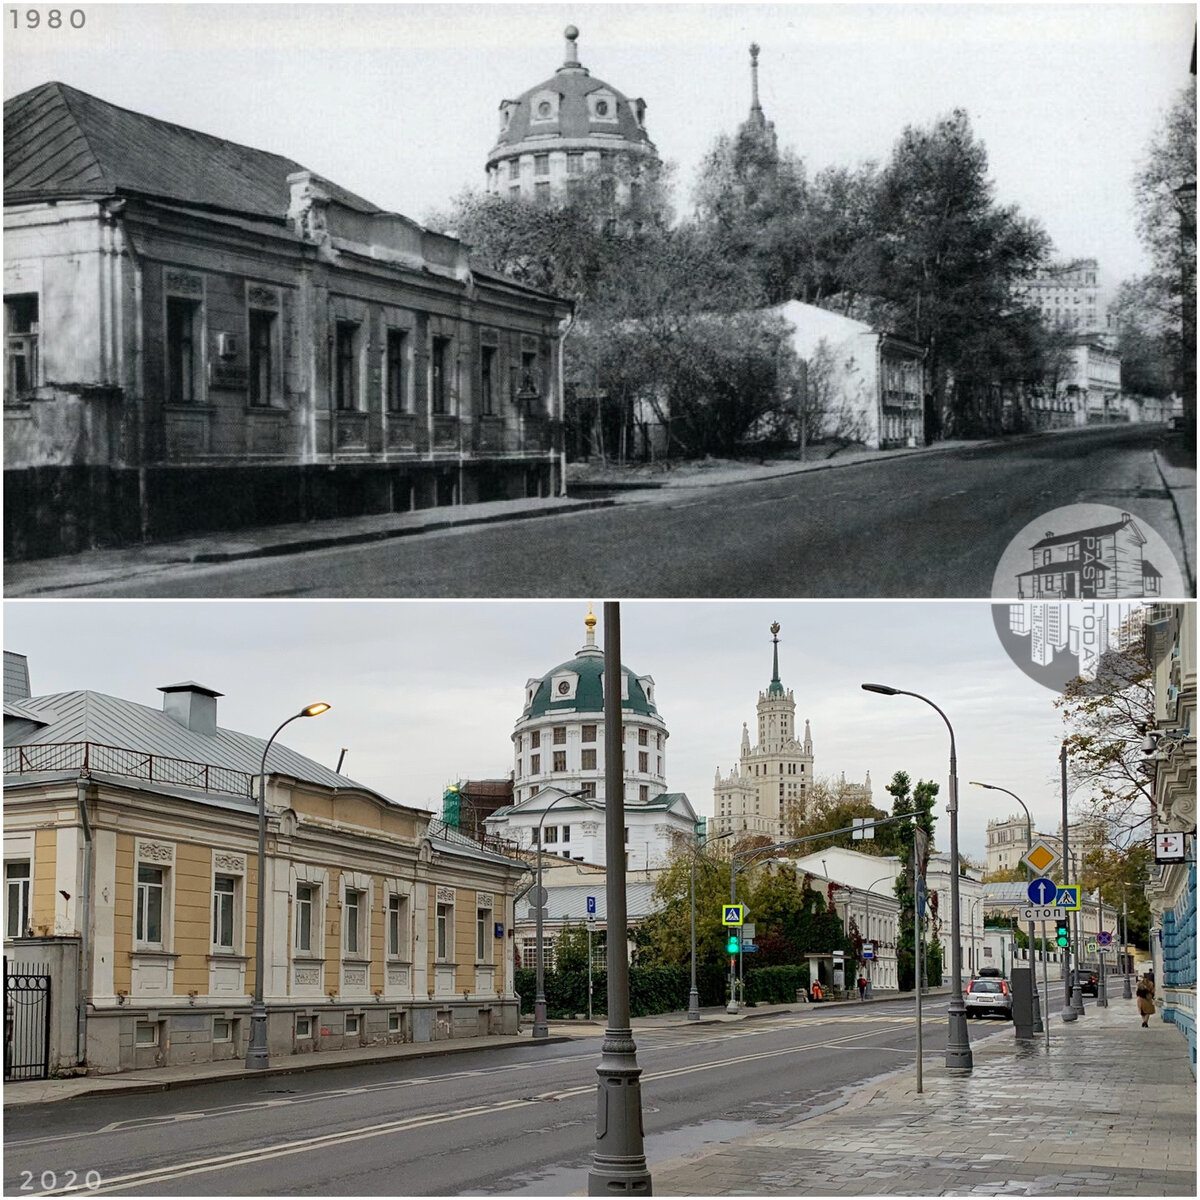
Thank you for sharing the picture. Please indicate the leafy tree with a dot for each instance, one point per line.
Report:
(1106, 718)
(1155, 313)
(948, 259)
(900, 838)
(834, 804)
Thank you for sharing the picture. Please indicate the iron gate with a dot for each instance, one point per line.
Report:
(26, 1023)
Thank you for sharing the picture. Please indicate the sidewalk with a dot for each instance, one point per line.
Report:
(1109, 1110)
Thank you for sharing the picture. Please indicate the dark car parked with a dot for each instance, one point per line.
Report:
(1087, 982)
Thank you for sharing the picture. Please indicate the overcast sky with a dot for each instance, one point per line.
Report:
(399, 102)
(426, 692)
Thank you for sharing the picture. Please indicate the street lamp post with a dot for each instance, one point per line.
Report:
(540, 1028)
(257, 1054)
(1073, 996)
(693, 1013)
(958, 1045)
(619, 1159)
(1037, 1007)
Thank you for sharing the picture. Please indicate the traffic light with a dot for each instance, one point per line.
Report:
(732, 945)
(1064, 933)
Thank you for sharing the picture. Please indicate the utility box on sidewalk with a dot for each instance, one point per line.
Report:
(1022, 1007)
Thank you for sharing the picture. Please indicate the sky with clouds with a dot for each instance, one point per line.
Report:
(399, 102)
(426, 692)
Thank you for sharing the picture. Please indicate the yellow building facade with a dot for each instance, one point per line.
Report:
(382, 925)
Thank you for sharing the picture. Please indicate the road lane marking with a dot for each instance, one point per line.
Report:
(243, 1158)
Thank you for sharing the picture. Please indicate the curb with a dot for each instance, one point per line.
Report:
(383, 535)
(1188, 565)
(137, 1087)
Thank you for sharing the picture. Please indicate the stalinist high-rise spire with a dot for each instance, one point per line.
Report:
(756, 127)
(756, 113)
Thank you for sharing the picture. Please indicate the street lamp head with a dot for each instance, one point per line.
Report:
(314, 710)
(990, 786)
(881, 688)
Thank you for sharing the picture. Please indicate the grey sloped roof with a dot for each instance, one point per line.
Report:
(87, 716)
(59, 141)
(451, 840)
(570, 903)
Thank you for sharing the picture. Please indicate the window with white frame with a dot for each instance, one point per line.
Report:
(222, 1030)
(305, 915)
(352, 911)
(225, 895)
(304, 1027)
(444, 931)
(352, 1024)
(151, 892)
(397, 926)
(483, 934)
(16, 898)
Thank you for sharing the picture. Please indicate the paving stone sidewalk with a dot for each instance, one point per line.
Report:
(1108, 1110)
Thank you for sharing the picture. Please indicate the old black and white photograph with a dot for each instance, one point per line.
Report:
(736, 300)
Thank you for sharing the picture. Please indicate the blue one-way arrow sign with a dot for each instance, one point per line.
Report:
(1042, 891)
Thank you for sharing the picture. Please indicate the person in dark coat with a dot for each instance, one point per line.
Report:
(1145, 999)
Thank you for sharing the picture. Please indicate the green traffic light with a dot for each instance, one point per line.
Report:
(731, 947)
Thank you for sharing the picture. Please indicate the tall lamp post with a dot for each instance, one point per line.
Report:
(619, 1159)
(693, 1013)
(257, 1055)
(540, 1028)
(958, 1044)
(1037, 1007)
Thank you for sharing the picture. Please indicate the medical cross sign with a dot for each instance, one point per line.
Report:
(732, 914)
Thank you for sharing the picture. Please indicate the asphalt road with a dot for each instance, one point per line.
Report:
(929, 525)
(512, 1122)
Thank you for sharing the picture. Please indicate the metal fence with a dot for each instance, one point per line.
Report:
(26, 1023)
(136, 764)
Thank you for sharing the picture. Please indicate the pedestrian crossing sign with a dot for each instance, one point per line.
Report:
(732, 914)
(1068, 898)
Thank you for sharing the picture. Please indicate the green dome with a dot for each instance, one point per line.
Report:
(583, 676)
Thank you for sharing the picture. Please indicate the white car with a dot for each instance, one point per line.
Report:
(988, 996)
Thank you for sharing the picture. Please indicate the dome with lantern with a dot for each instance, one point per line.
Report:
(565, 126)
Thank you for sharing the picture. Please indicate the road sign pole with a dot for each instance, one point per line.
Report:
(1046, 984)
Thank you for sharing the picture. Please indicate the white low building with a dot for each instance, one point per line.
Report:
(870, 385)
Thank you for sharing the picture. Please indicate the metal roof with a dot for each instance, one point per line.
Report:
(61, 141)
(570, 903)
(110, 721)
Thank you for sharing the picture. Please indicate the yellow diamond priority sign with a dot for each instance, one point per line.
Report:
(1041, 857)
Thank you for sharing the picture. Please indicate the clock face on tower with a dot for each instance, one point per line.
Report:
(564, 687)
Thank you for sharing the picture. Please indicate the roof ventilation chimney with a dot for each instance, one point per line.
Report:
(16, 676)
(192, 705)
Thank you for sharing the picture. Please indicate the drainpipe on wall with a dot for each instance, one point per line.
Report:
(565, 328)
(85, 920)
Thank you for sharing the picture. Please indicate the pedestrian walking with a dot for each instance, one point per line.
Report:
(1145, 999)
(862, 988)
(817, 993)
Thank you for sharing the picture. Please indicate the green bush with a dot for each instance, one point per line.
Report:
(651, 990)
(775, 985)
